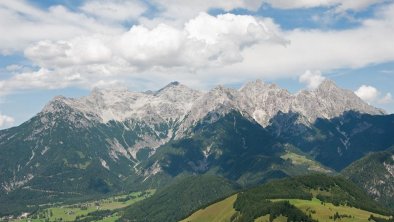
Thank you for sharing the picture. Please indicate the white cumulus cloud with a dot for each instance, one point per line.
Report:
(312, 79)
(158, 46)
(6, 121)
(325, 50)
(203, 42)
(78, 51)
(367, 93)
(371, 94)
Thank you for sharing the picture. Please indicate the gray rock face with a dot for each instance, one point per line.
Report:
(170, 103)
(262, 102)
(176, 103)
(329, 101)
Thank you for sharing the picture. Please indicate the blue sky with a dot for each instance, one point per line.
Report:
(66, 47)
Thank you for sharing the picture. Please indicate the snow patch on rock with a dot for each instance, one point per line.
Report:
(104, 164)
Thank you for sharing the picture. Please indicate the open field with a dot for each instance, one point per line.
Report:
(297, 159)
(323, 211)
(266, 219)
(223, 210)
(220, 211)
(81, 210)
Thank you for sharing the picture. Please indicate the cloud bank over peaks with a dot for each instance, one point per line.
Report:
(204, 41)
(92, 45)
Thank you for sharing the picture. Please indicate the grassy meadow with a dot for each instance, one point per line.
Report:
(105, 208)
(223, 211)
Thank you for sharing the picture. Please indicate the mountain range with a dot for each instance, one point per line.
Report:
(115, 140)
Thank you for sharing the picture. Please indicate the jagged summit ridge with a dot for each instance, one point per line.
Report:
(170, 102)
(259, 100)
(329, 101)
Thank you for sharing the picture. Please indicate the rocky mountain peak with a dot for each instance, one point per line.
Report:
(256, 84)
(174, 83)
(260, 100)
(107, 91)
(176, 91)
(221, 90)
(171, 85)
(329, 101)
(56, 104)
(328, 84)
(260, 88)
(177, 86)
